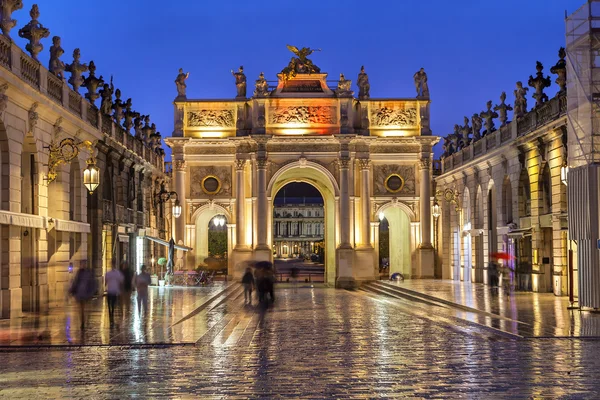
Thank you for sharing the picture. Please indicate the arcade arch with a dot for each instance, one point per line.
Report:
(401, 241)
(319, 177)
(202, 218)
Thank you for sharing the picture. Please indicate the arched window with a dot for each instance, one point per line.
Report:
(75, 192)
(507, 201)
(140, 193)
(524, 195)
(545, 187)
(107, 182)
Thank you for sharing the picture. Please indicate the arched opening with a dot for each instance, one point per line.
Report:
(467, 265)
(478, 225)
(394, 227)
(547, 248)
(29, 205)
(299, 232)
(507, 201)
(321, 179)
(212, 248)
(492, 221)
(75, 188)
(523, 244)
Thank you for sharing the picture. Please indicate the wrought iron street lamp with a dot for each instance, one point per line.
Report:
(163, 196)
(91, 176)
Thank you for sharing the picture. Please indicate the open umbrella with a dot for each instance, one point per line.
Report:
(502, 256)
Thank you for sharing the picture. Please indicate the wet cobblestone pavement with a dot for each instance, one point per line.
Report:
(313, 343)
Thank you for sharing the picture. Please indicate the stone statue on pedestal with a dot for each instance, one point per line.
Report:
(76, 69)
(363, 84)
(261, 86)
(7, 7)
(465, 131)
(476, 122)
(454, 143)
(502, 109)
(118, 107)
(34, 32)
(560, 69)
(446, 147)
(129, 116)
(520, 100)
(146, 130)
(457, 133)
(240, 82)
(539, 83)
(106, 94)
(489, 116)
(137, 126)
(180, 83)
(91, 83)
(421, 85)
(343, 87)
(56, 66)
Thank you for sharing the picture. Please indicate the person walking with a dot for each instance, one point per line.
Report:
(83, 289)
(141, 282)
(127, 287)
(248, 282)
(114, 281)
(294, 277)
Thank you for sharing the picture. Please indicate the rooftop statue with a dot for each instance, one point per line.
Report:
(363, 84)
(420, 78)
(560, 69)
(118, 107)
(106, 94)
(261, 86)
(180, 83)
(34, 32)
(489, 116)
(477, 122)
(91, 83)
(240, 82)
(56, 66)
(137, 126)
(502, 109)
(539, 83)
(76, 69)
(344, 87)
(7, 7)
(129, 116)
(465, 131)
(520, 100)
(300, 64)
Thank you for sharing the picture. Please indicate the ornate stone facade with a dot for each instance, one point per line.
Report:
(242, 152)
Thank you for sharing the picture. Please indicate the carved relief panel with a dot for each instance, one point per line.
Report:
(399, 118)
(303, 115)
(394, 179)
(211, 118)
(210, 181)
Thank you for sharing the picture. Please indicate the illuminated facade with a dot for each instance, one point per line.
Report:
(298, 227)
(365, 156)
(49, 223)
(502, 192)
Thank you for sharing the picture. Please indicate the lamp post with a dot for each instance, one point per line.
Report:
(436, 212)
(91, 176)
(163, 196)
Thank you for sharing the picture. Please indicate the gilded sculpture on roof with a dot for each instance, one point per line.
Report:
(300, 64)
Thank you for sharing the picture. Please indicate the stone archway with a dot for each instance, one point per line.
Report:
(319, 177)
(402, 239)
(201, 217)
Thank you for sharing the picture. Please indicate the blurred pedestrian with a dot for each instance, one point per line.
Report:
(83, 289)
(294, 277)
(248, 282)
(270, 280)
(259, 275)
(114, 281)
(494, 272)
(141, 282)
(127, 287)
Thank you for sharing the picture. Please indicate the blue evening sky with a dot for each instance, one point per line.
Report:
(472, 50)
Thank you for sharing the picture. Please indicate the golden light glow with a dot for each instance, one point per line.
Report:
(397, 132)
(212, 134)
(295, 131)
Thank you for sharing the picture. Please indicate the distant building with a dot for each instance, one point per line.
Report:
(298, 226)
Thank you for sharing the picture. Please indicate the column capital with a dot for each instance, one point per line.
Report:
(240, 163)
(425, 163)
(262, 163)
(364, 163)
(344, 163)
(179, 165)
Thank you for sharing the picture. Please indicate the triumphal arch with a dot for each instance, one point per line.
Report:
(370, 158)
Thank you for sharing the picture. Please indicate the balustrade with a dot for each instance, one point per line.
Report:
(55, 88)
(30, 71)
(92, 116)
(75, 102)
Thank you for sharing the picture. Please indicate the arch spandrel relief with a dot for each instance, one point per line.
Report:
(210, 181)
(392, 179)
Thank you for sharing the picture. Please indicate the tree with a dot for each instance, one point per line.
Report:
(217, 243)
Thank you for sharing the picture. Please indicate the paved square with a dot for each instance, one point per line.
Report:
(313, 343)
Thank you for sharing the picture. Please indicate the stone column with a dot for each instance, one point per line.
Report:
(426, 256)
(425, 206)
(262, 208)
(179, 167)
(240, 205)
(344, 204)
(365, 203)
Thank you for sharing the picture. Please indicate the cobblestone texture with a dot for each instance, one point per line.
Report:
(314, 343)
